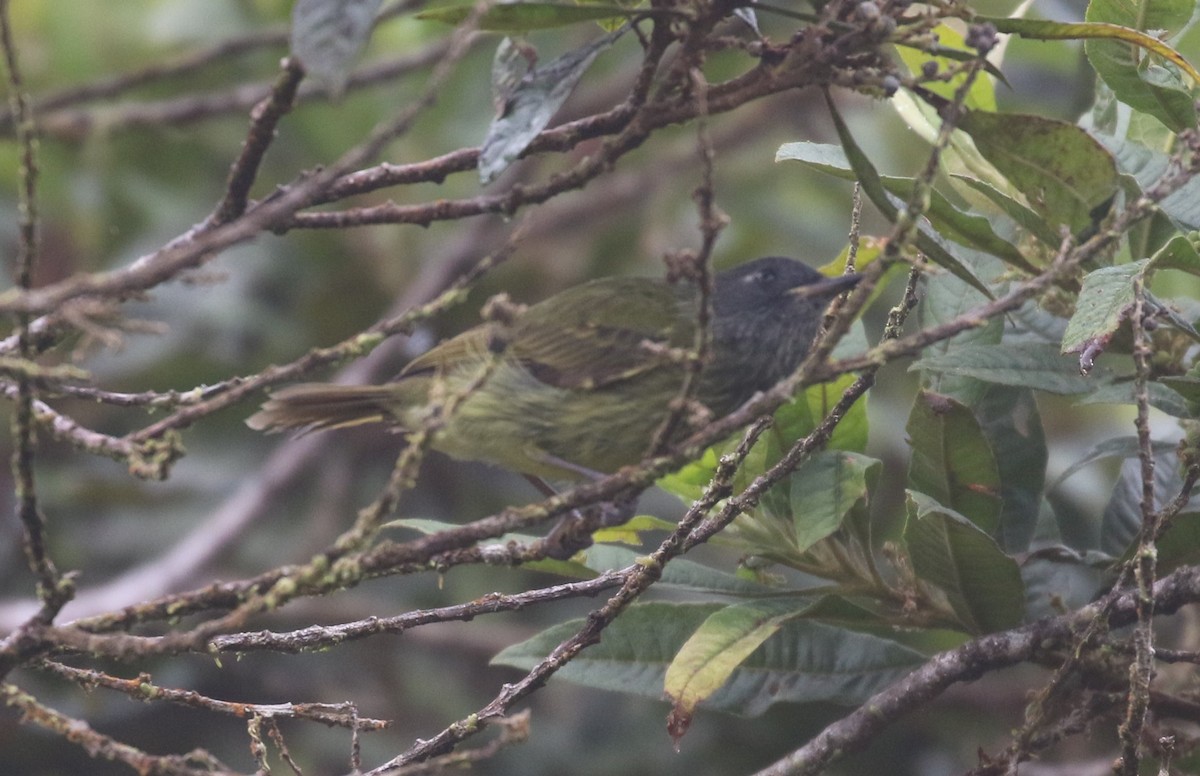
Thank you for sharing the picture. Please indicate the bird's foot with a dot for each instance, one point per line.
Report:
(574, 532)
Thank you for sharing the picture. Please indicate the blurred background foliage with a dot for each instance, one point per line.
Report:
(114, 185)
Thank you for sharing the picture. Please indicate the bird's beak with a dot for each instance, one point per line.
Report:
(827, 287)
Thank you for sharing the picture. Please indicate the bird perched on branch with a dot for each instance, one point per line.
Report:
(580, 382)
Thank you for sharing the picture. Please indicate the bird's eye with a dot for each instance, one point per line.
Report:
(765, 276)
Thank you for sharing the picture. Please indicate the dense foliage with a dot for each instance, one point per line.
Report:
(998, 559)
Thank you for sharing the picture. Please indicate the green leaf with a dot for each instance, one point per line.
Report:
(1162, 398)
(1024, 217)
(1180, 544)
(721, 644)
(422, 525)
(1116, 447)
(799, 417)
(1007, 415)
(872, 186)
(1125, 68)
(1062, 581)
(1039, 29)
(1063, 172)
(327, 36)
(633, 655)
(1012, 425)
(806, 507)
(1150, 235)
(1147, 130)
(967, 229)
(690, 481)
(1032, 324)
(867, 616)
(1026, 365)
(825, 489)
(680, 573)
(1180, 252)
(630, 532)
(803, 662)
(951, 459)
(939, 250)
(982, 585)
(845, 613)
(960, 155)
(1186, 385)
(947, 298)
(1105, 300)
(1171, 315)
(864, 171)
(1122, 519)
(1147, 166)
(793, 421)
(970, 230)
(527, 16)
(981, 95)
(533, 103)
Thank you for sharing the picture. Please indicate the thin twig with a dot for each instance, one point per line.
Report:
(201, 243)
(58, 121)
(263, 120)
(103, 747)
(514, 729)
(234, 101)
(317, 637)
(1141, 668)
(698, 272)
(143, 689)
(53, 589)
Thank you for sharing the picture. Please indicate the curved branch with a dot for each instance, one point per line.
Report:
(969, 662)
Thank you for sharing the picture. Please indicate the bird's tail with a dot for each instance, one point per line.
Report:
(317, 406)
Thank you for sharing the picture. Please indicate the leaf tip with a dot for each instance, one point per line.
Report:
(678, 722)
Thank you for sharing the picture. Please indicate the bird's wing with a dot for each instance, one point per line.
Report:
(588, 336)
(464, 350)
(595, 335)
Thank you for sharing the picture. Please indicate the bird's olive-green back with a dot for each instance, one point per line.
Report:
(572, 379)
(585, 337)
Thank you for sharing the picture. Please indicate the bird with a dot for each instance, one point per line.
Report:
(578, 384)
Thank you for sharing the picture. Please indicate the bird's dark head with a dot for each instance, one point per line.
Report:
(766, 314)
(777, 285)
